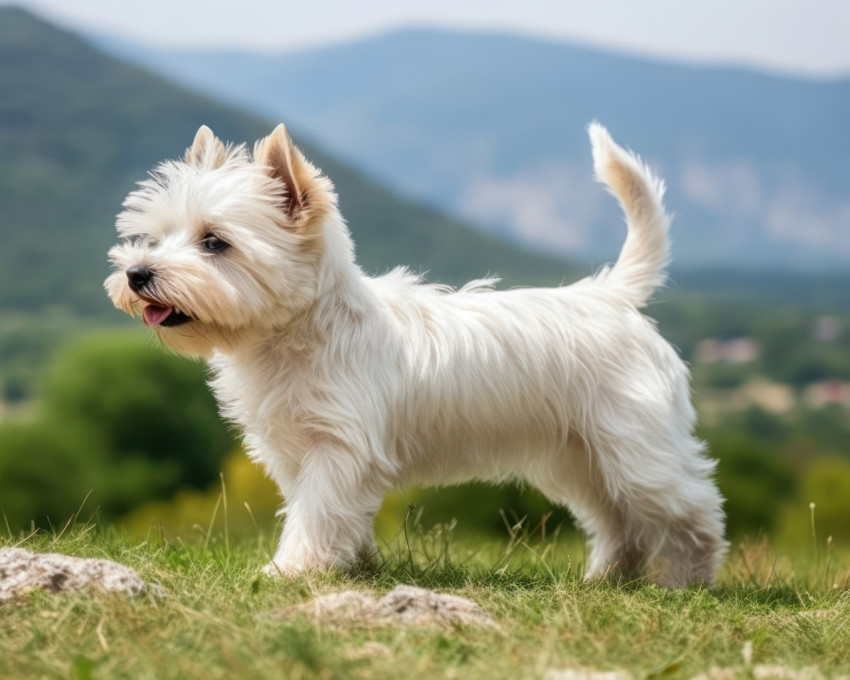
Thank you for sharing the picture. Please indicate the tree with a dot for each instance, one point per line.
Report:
(118, 419)
(46, 470)
(754, 479)
(143, 402)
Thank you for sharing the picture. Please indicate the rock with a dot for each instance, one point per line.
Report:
(23, 570)
(417, 605)
(583, 674)
(407, 605)
(761, 672)
(718, 673)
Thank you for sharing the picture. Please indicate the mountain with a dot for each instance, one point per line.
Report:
(78, 128)
(491, 128)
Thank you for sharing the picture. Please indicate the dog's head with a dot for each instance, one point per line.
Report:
(222, 242)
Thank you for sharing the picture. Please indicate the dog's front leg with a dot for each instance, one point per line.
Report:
(329, 512)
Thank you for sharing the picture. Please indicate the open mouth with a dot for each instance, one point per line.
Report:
(158, 315)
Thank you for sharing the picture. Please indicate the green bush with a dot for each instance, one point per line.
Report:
(119, 421)
(827, 485)
(46, 470)
(754, 479)
(145, 403)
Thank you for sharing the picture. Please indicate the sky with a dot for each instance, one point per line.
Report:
(803, 37)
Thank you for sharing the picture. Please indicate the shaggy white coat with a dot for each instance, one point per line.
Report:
(347, 385)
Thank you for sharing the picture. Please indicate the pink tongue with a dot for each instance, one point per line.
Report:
(155, 315)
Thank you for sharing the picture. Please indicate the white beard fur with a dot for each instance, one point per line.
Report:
(379, 382)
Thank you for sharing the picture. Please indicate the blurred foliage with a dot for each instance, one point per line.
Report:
(46, 472)
(26, 343)
(788, 350)
(826, 485)
(118, 420)
(244, 500)
(146, 404)
(753, 479)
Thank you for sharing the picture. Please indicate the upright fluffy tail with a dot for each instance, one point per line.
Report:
(639, 269)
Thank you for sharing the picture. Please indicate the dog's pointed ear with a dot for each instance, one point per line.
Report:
(284, 161)
(207, 151)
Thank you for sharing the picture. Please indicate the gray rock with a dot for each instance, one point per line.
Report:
(584, 674)
(23, 570)
(406, 605)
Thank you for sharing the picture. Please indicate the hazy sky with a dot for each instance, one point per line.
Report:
(798, 36)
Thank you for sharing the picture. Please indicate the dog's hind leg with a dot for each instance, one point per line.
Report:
(645, 512)
(573, 480)
(666, 507)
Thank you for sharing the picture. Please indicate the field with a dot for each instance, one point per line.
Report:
(768, 615)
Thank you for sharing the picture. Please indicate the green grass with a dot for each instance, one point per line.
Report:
(221, 620)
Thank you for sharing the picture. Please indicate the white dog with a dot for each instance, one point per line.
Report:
(347, 385)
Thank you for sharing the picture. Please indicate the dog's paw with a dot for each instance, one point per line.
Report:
(290, 564)
(278, 570)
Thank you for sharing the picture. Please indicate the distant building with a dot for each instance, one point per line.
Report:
(831, 391)
(768, 396)
(758, 392)
(736, 350)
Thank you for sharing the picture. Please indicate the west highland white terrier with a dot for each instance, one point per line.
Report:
(347, 385)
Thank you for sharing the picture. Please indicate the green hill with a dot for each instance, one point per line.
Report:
(78, 128)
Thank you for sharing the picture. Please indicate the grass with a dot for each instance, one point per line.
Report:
(221, 620)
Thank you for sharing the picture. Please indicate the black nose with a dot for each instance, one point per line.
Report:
(138, 276)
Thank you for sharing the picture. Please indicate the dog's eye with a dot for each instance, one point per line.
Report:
(213, 242)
